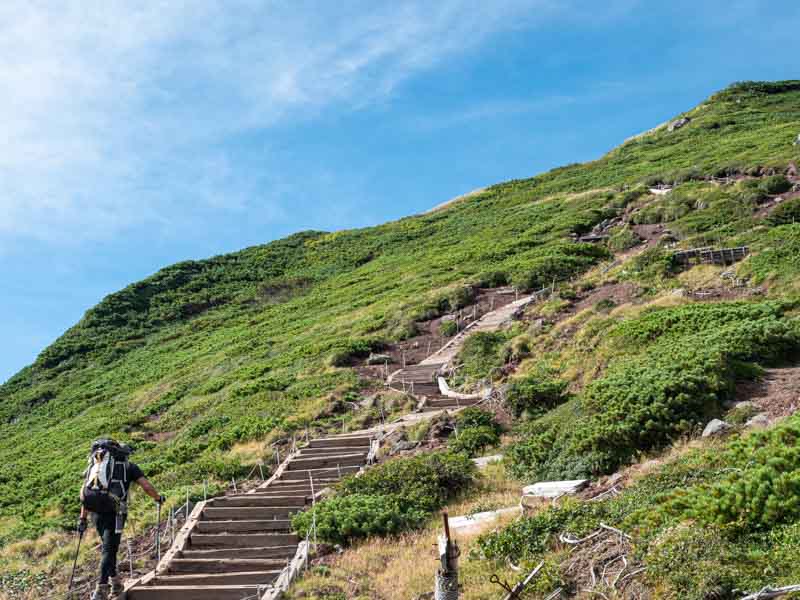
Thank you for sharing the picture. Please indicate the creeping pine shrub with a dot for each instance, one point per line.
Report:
(678, 365)
(343, 518)
(476, 430)
(392, 497)
(785, 213)
(448, 328)
(776, 184)
(534, 394)
(765, 493)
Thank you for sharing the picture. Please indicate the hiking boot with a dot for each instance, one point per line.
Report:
(101, 592)
(116, 585)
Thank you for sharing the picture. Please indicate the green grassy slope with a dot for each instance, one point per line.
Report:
(206, 354)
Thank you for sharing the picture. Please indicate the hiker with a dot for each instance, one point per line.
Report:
(104, 493)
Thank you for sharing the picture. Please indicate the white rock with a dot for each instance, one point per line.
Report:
(759, 420)
(552, 489)
(715, 427)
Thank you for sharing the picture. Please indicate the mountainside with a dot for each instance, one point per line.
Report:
(205, 363)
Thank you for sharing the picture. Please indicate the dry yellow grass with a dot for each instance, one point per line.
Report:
(403, 566)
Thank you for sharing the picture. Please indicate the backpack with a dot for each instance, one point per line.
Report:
(105, 486)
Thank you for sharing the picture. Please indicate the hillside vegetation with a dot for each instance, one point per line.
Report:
(205, 357)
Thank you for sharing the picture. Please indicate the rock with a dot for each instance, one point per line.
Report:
(403, 446)
(678, 123)
(448, 318)
(715, 427)
(378, 359)
(759, 420)
(797, 140)
(742, 404)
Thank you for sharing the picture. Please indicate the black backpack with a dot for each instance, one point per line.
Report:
(105, 485)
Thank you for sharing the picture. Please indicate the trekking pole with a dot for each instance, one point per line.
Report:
(74, 563)
(158, 533)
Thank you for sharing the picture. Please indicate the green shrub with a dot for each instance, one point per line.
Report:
(622, 239)
(678, 366)
(448, 328)
(785, 213)
(776, 184)
(473, 440)
(534, 394)
(767, 490)
(482, 353)
(473, 416)
(427, 481)
(604, 305)
(342, 519)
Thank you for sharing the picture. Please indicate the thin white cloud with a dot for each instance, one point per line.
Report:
(116, 114)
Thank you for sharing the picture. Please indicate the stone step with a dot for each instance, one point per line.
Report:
(344, 441)
(236, 526)
(283, 552)
(259, 500)
(248, 513)
(193, 592)
(222, 565)
(199, 541)
(328, 473)
(320, 462)
(235, 578)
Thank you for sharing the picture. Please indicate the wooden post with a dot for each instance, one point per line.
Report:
(446, 587)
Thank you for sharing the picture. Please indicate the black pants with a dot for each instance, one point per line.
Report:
(106, 524)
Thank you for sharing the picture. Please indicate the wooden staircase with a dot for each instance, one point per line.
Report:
(241, 546)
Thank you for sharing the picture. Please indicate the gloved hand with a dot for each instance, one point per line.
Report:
(82, 525)
(161, 500)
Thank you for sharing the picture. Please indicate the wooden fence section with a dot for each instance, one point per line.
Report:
(723, 256)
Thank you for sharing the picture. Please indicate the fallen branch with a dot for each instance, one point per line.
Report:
(770, 592)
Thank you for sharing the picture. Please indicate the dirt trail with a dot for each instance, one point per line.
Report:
(777, 393)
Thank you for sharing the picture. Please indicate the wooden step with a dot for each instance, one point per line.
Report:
(236, 526)
(342, 460)
(243, 540)
(450, 402)
(328, 473)
(335, 442)
(193, 592)
(222, 565)
(248, 513)
(273, 552)
(333, 451)
(235, 578)
(260, 500)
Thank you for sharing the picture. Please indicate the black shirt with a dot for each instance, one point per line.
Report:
(132, 473)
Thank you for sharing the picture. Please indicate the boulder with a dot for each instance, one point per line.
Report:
(678, 123)
(715, 427)
(759, 420)
(797, 140)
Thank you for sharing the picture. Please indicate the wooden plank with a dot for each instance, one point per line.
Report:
(325, 472)
(256, 500)
(244, 540)
(242, 525)
(347, 460)
(222, 565)
(237, 578)
(248, 513)
(283, 552)
(194, 592)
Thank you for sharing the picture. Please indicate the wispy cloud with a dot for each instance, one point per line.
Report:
(118, 114)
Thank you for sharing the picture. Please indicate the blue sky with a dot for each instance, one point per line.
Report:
(137, 136)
